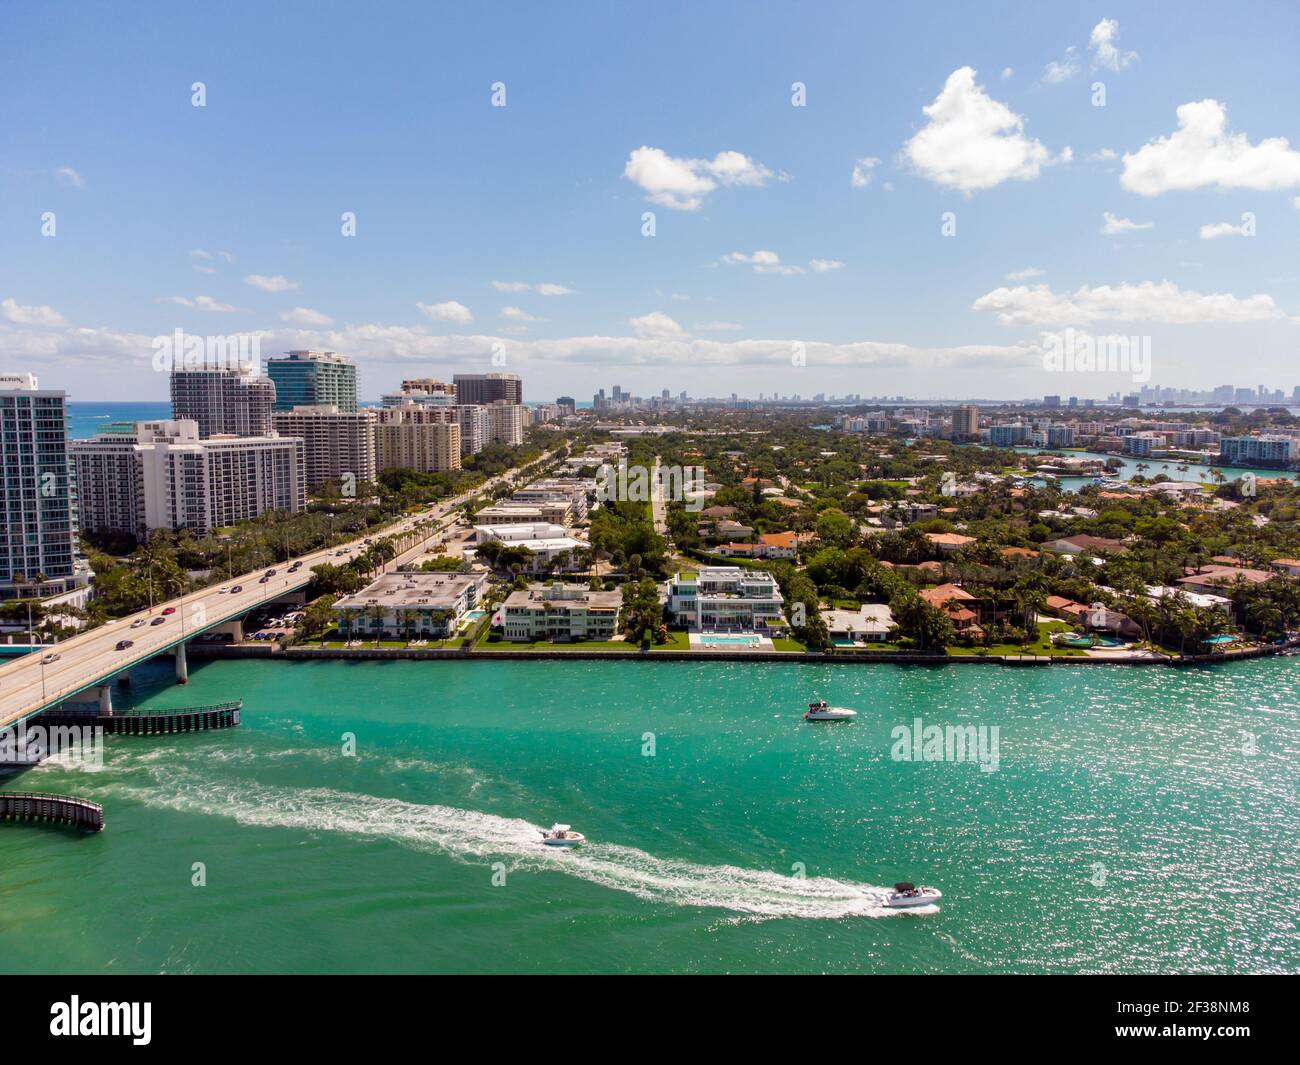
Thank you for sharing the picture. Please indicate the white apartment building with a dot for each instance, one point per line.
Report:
(508, 512)
(560, 612)
(406, 605)
(727, 599)
(507, 421)
(336, 444)
(229, 400)
(180, 481)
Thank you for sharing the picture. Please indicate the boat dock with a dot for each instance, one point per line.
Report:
(151, 722)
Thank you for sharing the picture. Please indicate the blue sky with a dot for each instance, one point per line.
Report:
(226, 218)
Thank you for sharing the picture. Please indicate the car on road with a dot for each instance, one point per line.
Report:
(122, 645)
(138, 623)
(169, 610)
(262, 580)
(236, 589)
(51, 657)
(269, 573)
(158, 621)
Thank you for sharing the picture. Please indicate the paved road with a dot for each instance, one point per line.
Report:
(27, 685)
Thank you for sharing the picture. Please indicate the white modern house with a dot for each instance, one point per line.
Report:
(727, 599)
(547, 542)
(870, 623)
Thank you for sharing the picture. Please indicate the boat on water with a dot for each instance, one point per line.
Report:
(823, 711)
(562, 836)
(906, 896)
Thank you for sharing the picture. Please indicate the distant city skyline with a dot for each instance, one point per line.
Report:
(843, 199)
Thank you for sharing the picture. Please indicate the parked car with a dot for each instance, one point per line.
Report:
(122, 645)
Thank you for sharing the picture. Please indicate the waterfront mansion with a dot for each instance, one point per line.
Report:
(410, 605)
(560, 612)
(726, 599)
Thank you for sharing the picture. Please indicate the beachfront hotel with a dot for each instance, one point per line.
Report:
(404, 605)
(560, 612)
(726, 599)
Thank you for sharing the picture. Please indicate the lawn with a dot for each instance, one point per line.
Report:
(495, 643)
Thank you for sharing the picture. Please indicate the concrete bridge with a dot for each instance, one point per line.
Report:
(90, 661)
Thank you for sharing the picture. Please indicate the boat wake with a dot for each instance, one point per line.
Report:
(470, 836)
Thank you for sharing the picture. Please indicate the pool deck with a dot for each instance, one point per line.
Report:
(756, 644)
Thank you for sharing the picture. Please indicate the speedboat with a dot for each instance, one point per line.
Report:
(562, 836)
(822, 711)
(906, 896)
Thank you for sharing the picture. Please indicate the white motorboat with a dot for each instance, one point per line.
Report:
(562, 836)
(823, 711)
(905, 896)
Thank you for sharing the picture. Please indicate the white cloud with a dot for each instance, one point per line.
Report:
(450, 311)
(972, 141)
(1105, 155)
(199, 253)
(203, 269)
(1006, 73)
(306, 316)
(719, 327)
(65, 175)
(1149, 301)
(1201, 153)
(278, 283)
(1112, 225)
(543, 288)
(824, 266)
(202, 303)
(1105, 52)
(1025, 274)
(656, 324)
(33, 314)
(1059, 70)
(863, 171)
(763, 262)
(1222, 229)
(518, 314)
(684, 184)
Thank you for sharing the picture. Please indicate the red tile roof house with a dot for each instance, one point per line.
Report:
(1084, 543)
(1289, 566)
(951, 599)
(770, 545)
(1066, 609)
(1215, 580)
(949, 542)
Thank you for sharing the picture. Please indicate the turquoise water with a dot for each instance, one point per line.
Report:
(1138, 819)
(1155, 467)
(87, 419)
(710, 640)
(1221, 639)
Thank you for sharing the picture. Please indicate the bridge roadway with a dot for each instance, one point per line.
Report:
(91, 659)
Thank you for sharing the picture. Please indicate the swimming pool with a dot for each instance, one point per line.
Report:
(1221, 639)
(714, 640)
(1073, 639)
